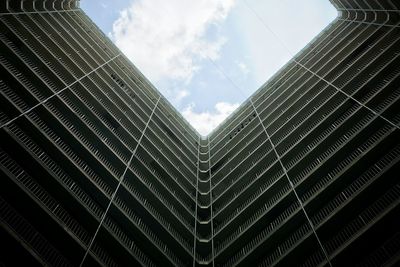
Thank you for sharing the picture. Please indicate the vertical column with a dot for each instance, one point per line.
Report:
(211, 201)
(197, 203)
(204, 229)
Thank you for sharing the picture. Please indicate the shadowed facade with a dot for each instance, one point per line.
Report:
(98, 169)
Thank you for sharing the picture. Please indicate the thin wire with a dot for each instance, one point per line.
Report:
(280, 162)
(293, 188)
(119, 184)
(268, 136)
(312, 72)
(57, 93)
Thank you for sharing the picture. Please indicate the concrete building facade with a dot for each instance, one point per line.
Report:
(97, 168)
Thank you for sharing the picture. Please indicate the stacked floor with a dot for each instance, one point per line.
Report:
(97, 168)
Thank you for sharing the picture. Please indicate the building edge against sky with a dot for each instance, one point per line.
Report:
(98, 168)
(247, 57)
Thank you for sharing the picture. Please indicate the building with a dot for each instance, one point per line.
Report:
(97, 168)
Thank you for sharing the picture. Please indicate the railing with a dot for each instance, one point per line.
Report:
(263, 235)
(74, 189)
(72, 155)
(156, 214)
(269, 90)
(28, 235)
(265, 209)
(51, 206)
(161, 180)
(366, 218)
(280, 251)
(355, 187)
(265, 187)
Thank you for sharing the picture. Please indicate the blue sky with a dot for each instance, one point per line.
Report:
(208, 56)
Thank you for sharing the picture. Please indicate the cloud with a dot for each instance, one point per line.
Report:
(205, 122)
(243, 68)
(180, 95)
(167, 39)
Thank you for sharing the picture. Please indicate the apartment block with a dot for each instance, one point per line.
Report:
(97, 168)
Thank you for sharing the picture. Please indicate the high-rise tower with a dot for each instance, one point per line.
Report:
(97, 168)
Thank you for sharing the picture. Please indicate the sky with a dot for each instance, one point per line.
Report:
(208, 56)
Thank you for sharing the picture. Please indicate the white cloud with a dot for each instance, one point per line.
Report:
(205, 122)
(181, 94)
(243, 68)
(165, 39)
